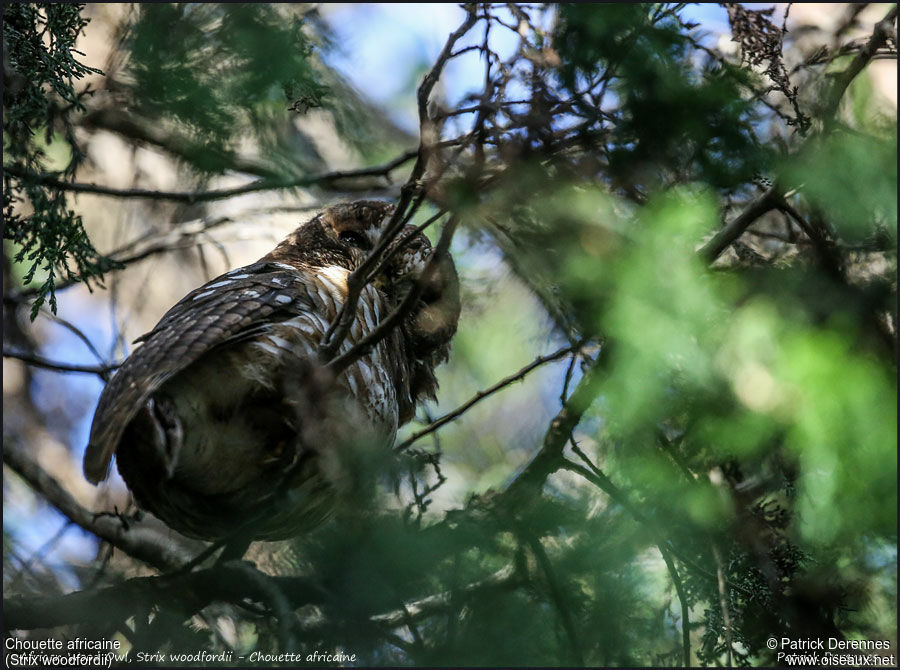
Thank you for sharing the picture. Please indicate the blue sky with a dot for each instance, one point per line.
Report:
(385, 48)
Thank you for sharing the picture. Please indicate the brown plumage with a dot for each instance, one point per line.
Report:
(225, 419)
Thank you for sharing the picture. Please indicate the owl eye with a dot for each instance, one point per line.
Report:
(354, 239)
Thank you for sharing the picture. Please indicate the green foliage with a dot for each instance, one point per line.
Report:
(742, 382)
(376, 564)
(749, 416)
(688, 122)
(212, 72)
(39, 43)
(863, 207)
(216, 70)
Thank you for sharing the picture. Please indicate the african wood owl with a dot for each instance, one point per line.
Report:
(226, 419)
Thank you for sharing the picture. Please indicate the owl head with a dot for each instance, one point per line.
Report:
(344, 234)
(341, 235)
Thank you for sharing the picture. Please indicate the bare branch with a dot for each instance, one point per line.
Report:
(504, 579)
(192, 197)
(843, 80)
(481, 395)
(537, 549)
(404, 243)
(138, 542)
(599, 479)
(723, 601)
(146, 131)
(76, 331)
(550, 457)
(102, 371)
(181, 236)
(732, 231)
(774, 197)
(446, 54)
(683, 601)
(340, 327)
(356, 280)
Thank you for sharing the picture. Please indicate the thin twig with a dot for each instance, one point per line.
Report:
(601, 481)
(76, 331)
(361, 348)
(270, 593)
(683, 601)
(408, 239)
(723, 601)
(570, 368)
(102, 371)
(38, 555)
(504, 579)
(18, 299)
(550, 456)
(481, 395)
(339, 328)
(843, 80)
(556, 595)
(180, 237)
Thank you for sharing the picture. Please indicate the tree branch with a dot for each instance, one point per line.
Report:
(723, 601)
(537, 549)
(138, 542)
(724, 237)
(182, 235)
(481, 395)
(192, 197)
(148, 131)
(550, 457)
(773, 197)
(599, 479)
(187, 593)
(504, 579)
(683, 601)
(340, 327)
(102, 371)
(843, 80)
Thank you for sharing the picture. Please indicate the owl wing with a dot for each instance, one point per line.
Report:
(230, 308)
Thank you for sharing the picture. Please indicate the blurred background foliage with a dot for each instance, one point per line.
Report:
(697, 205)
(50, 235)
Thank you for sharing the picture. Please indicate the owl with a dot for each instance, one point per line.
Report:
(226, 420)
